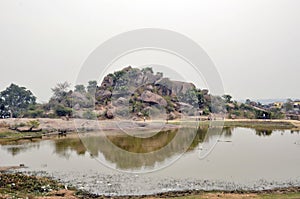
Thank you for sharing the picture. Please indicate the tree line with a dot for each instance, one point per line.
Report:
(17, 101)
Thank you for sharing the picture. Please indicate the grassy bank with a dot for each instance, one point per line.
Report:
(263, 124)
(245, 123)
(8, 136)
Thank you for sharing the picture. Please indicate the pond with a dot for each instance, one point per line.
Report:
(243, 158)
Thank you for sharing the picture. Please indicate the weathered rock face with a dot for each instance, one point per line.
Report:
(80, 100)
(149, 97)
(79, 96)
(174, 87)
(101, 95)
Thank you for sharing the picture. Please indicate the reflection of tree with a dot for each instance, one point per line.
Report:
(199, 138)
(62, 146)
(22, 147)
(227, 131)
(262, 132)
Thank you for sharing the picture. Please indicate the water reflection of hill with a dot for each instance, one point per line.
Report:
(128, 152)
(165, 146)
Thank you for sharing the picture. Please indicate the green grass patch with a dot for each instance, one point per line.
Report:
(264, 124)
(10, 136)
(24, 186)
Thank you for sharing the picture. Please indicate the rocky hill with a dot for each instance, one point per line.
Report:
(133, 93)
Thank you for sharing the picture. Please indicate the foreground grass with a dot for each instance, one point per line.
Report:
(22, 186)
(18, 185)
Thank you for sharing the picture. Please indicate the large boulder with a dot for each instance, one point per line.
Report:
(107, 82)
(101, 95)
(175, 87)
(121, 101)
(109, 114)
(149, 97)
(183, 107)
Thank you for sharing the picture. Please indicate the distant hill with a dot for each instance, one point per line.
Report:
(270, 101)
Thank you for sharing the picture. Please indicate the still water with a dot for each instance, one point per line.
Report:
(242, 159)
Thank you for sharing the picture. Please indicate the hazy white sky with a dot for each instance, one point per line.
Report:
(254, 44)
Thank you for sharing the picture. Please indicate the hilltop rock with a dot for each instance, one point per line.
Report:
(107, 82)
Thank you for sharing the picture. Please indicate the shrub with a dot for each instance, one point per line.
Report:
(34, 113)
(61, 110)
(33, 123)
(90, 115)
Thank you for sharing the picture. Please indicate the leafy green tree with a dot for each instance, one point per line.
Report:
(60, 91)
(227, 98)
(80, 88)
(92, 86)
(61, 101)
(147, 69)
(16, 100)
(35, 111)
(61, 95)
(160, 74)
(288, 106)
(248, 101)
(3, 110)
(201, 100)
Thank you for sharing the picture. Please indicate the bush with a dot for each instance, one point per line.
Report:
(61, 110)
(206, 111)
(90, 115)
(33, 123)
(34, 113)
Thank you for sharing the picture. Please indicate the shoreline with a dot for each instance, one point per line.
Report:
(52, 127)
(52, 124)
